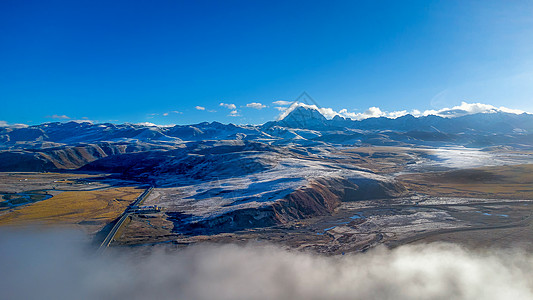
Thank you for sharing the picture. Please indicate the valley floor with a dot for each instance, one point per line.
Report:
(477, 207)
(358, 226)
(488, 204)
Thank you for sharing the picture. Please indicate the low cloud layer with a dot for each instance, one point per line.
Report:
(150, 124)
(470, 108)
(5, 124)
(59, 266)
(326, 112)
(374, 112)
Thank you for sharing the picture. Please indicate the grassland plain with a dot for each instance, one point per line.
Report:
(17, 182)
(506, 224)
(89, 210)
(501, 182)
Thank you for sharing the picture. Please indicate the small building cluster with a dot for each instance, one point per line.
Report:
(145, 209)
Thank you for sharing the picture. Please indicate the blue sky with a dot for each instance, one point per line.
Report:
(158, 61)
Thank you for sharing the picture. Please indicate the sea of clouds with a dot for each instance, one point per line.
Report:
(61, 265)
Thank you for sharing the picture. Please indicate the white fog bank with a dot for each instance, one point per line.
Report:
(60, 266)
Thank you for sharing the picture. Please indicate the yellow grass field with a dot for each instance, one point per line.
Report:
(504, 182)
(71, 208)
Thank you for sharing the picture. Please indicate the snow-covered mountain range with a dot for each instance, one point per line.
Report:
(111, 147)
(303, 126)
(238, 176)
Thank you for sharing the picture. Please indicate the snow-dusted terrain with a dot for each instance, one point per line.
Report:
(208, 199)
(233, 176)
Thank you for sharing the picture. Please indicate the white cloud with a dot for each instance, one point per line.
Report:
(326, 112)
(234, 113)
(199, 107)
(60, 263)
(372, 112)
(397, 114)
(281, 108)
(282, 102)
(468, 109)
(17, 125)
(146, 124)
(228, 105)
(83, 121)
(166, 114)
(149, 124)
(255, 105)
(59, 117)
(375, 112)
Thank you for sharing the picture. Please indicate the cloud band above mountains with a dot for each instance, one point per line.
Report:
(375, 112)
(286, 107)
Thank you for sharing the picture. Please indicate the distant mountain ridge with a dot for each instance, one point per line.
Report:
(497, 122)
(303, 126)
